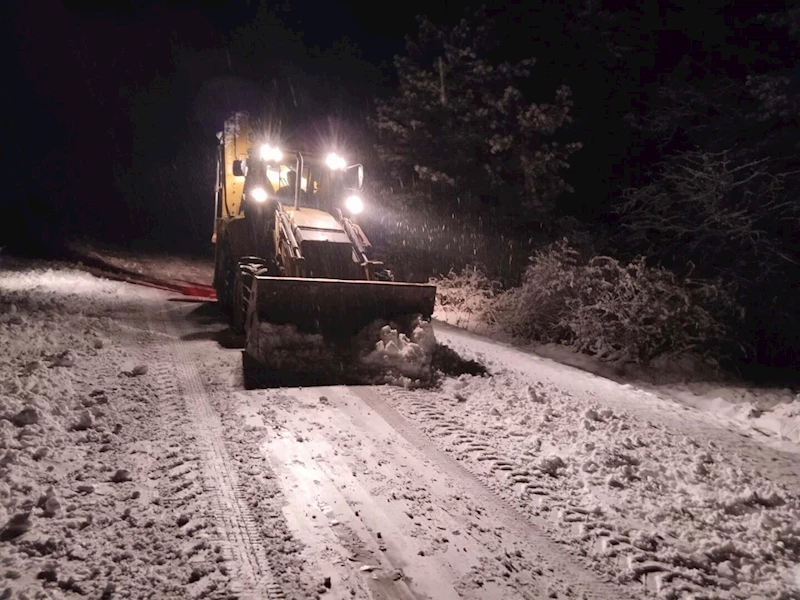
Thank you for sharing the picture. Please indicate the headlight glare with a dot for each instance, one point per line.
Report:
(354, 204)
(259, 194)
(271, 153)
(335, 162)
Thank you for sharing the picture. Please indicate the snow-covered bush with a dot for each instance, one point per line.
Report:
(637, 313)
(469, 293)
(535, 310)
(730, 216)
(615, 311)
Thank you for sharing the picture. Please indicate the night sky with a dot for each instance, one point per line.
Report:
(110, 114)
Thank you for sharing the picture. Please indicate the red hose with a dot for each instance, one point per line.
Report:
(194, 291)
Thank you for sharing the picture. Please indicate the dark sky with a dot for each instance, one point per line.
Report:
(59, 48)
(108, 109)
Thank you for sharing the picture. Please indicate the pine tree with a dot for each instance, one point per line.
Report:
(460, 122)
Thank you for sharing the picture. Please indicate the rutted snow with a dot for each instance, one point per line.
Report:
(620, 480)
(79, 506)
(662, 497)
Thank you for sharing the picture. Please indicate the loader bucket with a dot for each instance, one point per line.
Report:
(337, 308)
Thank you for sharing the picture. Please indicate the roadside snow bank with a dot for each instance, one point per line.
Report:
(47, 282)
(773, 412)
(685, 378)
(783, 420)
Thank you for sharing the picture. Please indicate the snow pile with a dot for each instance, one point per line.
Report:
(50, 285)
(783, 420)
(771, 411)
(75, 512)
(396, 358)
(46, 341)
(397, 353)
(686, 379)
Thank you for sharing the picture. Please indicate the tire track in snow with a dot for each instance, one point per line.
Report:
(176, 474)
(241, 539)
(618, 543)
(514, 480)
(576, 580)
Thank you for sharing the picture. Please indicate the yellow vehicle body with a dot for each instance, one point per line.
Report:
(237, 140)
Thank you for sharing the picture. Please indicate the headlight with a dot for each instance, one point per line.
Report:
(354, 204)
(335, 162)
(270, 153)
(259, 194)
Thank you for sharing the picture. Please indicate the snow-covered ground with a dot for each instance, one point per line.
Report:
(167, 268)
(87, 451)
(134, 464)
(770, 410)
(642, 485)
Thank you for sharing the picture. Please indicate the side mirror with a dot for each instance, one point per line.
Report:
(358, 183)
(238, 168)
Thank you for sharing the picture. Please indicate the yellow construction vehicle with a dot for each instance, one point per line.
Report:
(288, 250)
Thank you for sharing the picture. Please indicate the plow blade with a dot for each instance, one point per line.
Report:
(337, 307)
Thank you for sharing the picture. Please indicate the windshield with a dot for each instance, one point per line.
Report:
(320, 187)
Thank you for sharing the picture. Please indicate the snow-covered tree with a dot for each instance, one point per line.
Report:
(461, 122)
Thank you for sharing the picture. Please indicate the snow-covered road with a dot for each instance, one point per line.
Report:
(135, 464)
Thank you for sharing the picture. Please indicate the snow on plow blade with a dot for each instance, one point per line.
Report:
(337, 307)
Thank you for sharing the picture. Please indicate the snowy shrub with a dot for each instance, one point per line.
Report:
(468, 294)
(724, 193)
(535, 310)
(637, 313)
(602, 307)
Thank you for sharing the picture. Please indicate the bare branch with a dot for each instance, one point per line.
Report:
(707, 208)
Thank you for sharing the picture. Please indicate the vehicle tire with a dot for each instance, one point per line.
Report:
(227, 280)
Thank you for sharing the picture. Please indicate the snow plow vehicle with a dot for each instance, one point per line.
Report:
(287, 248)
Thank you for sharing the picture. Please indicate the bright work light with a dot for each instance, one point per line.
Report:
(335, 162)
(259, 194)
(354, 204)
(270, 153)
